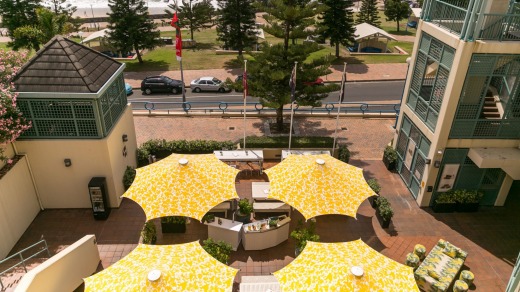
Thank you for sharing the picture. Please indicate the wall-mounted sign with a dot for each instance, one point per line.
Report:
(448, 177)
(410, 151)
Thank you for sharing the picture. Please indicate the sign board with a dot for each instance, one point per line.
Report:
(448, 177)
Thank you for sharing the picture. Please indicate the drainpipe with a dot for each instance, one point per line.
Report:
(32, 176)
(469, 13)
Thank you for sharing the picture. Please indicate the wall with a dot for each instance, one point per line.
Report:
(67, 187)
(79, 260)
(18, 205)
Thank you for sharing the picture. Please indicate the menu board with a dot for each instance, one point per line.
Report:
(97, 199)
(448, 177)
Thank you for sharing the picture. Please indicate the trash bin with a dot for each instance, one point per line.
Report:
(97, 188)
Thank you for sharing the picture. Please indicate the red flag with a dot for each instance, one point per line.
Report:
(244, 83)
(178, 36)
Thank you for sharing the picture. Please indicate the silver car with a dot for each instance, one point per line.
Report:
(208, 84)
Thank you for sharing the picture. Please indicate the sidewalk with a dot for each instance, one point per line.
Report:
(355, 73)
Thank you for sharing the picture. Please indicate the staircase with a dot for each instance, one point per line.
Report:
(490, 110)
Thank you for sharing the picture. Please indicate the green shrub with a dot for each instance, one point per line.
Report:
(384, 208)
(208, 218)
(390, 154)
(301, 234)
(128, 177)
(220, 250)
(374, 185)
(245, 207)
(283, 142)
(344, 153)
(149, 233)
(174, 219)
(465, 196)
(445, 198)
(163, 148)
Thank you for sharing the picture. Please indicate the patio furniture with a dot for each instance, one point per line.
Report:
(271, 206)
(460, 286)
(439, 268)
(412, 260)
(420, 251)
(467, 277)
(241, 155)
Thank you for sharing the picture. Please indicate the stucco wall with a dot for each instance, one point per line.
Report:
(67, 187)
(18, 205)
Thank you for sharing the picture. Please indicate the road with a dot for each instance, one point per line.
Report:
(383, 91)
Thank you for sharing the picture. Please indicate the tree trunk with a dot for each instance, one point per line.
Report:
(138, 54)
(286, 38)
(191, 33)
(397, 25)
(337, 50)
(279, 118)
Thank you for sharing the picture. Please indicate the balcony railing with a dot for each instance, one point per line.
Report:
(465, 19)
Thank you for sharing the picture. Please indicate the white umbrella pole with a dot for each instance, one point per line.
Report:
(245, 96)
(342, 92)
(292, 107)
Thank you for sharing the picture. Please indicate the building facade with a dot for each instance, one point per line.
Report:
(459, 124)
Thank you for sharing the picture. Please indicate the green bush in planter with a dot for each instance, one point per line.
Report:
(301, 234)
(384, 208)
(390, 158)
(467, 197)
(128, 177)
(374, 185)
(245, 207)
(220, 250)
(149, 233)
(174, 219)
(445, 198)
(343, 153)
(208, 218)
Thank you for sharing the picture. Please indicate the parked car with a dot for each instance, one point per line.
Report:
(208, 84)
(161, 83)
(412, 24)
(128, 89)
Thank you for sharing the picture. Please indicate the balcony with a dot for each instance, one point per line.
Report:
(497, 20)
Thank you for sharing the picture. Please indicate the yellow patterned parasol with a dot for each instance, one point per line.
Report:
(182, 267)
(334, 266)
(183, 185)
(318, 185)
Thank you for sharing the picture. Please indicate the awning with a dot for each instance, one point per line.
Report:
(417, 12)
(508, 159)
(96, 35)
(365, 30)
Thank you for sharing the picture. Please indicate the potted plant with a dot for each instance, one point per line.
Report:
(243, 214)
(173, 224)
(467, 201)
(220, 250)
(273, 223)
(444, 203)
(301, 234)
(208, 218)
(390, 158)
(128, 177)
(343, 153)
(374, 185)
(384, 211)
(149, 233)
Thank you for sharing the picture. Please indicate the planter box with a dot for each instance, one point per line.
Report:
(444, 207)
(389, 165)
(173, 227)
(384, 224)
(242, 218)
(467, 207)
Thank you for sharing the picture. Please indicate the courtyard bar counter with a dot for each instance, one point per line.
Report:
(260, 235)
(227, 231)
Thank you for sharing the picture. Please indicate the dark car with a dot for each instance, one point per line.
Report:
(412, 24)
(161, 83)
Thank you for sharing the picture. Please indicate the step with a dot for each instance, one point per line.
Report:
(491, 115)
(490, 109)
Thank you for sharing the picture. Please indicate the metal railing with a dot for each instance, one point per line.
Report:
(500, 27)
(258, 108)
(22, 260)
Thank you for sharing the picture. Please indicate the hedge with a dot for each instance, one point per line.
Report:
(283, 142)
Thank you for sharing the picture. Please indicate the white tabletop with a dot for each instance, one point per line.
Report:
(259, 190)
(286, 153)
(240, 155)
(226, 224)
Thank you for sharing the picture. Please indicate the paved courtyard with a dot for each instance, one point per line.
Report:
(491, 236)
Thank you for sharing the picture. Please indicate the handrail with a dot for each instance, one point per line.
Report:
(256, 107)
(22, 259)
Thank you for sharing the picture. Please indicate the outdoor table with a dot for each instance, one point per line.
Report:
(259, 190)
(286, 153)
(241, 155)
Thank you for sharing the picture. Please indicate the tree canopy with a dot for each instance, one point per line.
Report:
(338, 23)
(395, 10)
(193, 15)
(368, 13)
(236, 26)
(131, 27)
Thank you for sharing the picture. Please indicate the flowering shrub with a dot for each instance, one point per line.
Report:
(12, 123)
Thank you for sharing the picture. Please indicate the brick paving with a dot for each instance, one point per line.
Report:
(490, 236)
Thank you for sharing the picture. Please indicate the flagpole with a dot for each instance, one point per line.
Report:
(180, 64)
(292, 107)
(340, 100)
(244, 80)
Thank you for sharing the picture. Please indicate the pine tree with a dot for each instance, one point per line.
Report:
(131, 27)
(395, 10)
(272, 70)
(368, 13)
(289, 19)
(338, 23)
(194, 15)
(236, 24)
(16, 14)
